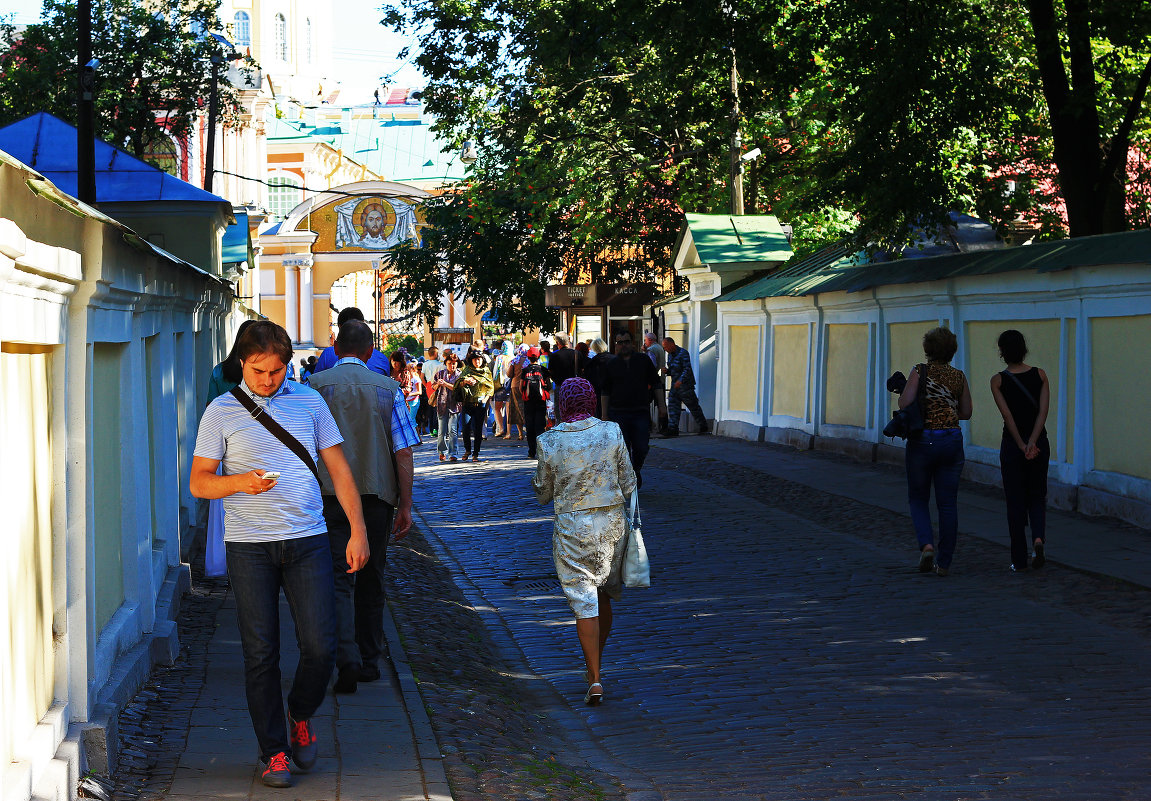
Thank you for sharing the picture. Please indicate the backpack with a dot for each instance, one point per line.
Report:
(534, 384)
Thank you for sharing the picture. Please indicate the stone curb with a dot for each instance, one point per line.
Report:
(431, 761)
(578, 734)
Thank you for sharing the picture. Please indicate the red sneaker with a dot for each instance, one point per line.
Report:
(276, 772)
(304, 748)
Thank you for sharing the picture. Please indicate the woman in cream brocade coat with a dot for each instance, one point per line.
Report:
(583, 466)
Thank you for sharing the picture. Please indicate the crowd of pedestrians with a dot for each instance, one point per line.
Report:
(308, 480)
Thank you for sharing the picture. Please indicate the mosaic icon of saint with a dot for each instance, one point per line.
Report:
(374, 223)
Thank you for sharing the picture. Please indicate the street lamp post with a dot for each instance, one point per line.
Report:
(86, 106)
(225, 51)
(213, 111)
(735, 180)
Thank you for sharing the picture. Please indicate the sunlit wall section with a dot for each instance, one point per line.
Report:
(1121, 384)
(744, 368)
(26, 660)
(846, 391)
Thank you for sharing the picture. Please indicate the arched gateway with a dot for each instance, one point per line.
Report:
(338, 242)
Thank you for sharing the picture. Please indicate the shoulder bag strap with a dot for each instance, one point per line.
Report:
(1026, 393)
(276, 430)
(921, 388)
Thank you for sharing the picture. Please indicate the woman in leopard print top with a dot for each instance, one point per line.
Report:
(936, 457)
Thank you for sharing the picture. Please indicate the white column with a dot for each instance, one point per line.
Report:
(291, 304)
(307, 304)
(254, 303)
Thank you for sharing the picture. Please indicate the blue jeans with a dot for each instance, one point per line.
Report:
(636, 427)
(449, 442)
(303, 568)
(936, 458)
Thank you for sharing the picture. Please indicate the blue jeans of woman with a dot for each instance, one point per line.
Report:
(935, 459)
(303, 568)
(448, 443)
(1025, 490)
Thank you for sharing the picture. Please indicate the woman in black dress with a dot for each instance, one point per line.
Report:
(1022, 394)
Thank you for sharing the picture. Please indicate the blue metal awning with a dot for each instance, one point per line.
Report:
(237, 242)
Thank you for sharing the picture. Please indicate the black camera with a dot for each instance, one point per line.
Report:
(896, 383)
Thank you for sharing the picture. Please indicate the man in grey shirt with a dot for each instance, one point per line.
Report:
(378, 438)
(658, 357)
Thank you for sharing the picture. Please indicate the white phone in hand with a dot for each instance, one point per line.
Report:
(271, 474)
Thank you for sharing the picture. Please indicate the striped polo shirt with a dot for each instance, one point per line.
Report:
(228, 433)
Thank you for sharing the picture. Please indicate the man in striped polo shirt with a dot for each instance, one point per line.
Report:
(275, 537)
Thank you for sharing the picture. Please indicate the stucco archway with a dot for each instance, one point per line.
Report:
(347, 229)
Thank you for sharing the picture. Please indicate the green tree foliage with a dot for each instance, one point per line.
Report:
(599, 122)
(154, 77)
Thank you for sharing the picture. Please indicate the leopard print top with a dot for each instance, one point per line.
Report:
(941, 401)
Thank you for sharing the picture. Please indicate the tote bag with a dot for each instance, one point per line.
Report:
(636, 570)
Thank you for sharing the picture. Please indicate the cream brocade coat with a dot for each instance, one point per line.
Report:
(584, 467)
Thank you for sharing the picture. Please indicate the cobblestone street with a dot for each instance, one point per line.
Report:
(789, 649)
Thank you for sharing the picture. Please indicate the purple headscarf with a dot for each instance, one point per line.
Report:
(575, 400)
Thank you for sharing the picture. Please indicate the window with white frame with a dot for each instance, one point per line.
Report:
(281, 40)
(243, 29)
(284, 193)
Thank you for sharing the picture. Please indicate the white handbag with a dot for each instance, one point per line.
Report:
(636, 570)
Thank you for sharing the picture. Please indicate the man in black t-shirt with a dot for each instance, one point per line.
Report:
(626, 395)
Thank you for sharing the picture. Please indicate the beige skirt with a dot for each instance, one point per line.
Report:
(587, 547)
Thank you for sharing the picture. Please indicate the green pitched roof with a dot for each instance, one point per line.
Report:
(729, 239)
(842, 269)
(398, 150)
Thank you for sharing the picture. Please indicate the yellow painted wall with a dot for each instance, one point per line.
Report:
(744, 368)
(107, 486)
(1072, 377)
(789, 358)
(845, 396)
(984, 362)
(905, 350)
(1120, 386)
(26, 659)
(321, 316)
(273, 309)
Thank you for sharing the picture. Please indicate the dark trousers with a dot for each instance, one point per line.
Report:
(360, 597)
(303, 569)
(536, 420)
(634, 423)
(935, 459)
(474, 417)
(426, 415)
(686, 396)
(1025, 490)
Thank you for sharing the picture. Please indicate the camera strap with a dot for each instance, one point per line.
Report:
(276, 430)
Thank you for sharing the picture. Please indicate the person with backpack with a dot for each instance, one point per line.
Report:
(1023, 396)
(536, 381)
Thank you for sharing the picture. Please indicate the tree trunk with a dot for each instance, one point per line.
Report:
(1074, 116)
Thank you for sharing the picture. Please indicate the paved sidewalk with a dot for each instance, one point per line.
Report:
(1098, 545)
(374, 744)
